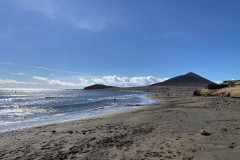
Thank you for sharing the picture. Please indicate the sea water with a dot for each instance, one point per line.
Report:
(21, 108)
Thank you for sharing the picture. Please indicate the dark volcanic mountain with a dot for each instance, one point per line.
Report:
(98, 86)
(189, 79)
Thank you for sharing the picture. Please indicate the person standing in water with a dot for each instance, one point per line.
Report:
(114, 100)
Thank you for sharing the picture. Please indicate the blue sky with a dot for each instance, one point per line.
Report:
(74, 43)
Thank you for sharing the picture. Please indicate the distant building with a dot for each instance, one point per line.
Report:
(232, 83)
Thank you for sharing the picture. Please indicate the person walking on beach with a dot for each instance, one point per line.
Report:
(221, 96)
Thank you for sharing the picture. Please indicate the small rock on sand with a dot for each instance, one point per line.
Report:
(205, 133)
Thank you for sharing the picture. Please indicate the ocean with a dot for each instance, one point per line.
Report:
(20, 108)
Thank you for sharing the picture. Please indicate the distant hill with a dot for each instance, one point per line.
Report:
(98, 86)
(189, 79)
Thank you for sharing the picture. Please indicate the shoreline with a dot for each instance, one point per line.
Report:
(80, 119)
(96, 115)
(169, 130)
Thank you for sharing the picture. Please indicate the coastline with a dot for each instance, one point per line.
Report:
(35, 111)
(118, 106)
(169, 130)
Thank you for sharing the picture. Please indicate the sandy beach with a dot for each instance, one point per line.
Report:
(180, 127)
(119, 80)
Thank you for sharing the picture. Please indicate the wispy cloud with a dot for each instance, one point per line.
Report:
(11, 81)
(54, 10)
(39, 67)
(52, 75)
(10, 31)
(89, 23)
(18, 73)
(46, 7)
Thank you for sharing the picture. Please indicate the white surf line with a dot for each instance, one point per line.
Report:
(39, 67)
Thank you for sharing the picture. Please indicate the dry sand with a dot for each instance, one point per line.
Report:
(233, 92)
(169, 130)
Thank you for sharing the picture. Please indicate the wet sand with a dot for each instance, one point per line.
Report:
(180, 127)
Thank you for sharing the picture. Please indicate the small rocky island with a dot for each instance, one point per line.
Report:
(98, 86)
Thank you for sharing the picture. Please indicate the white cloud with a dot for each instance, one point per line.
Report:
(218, 82)
(107, 80)
(58, 82)
(85, 82)
(125, 81)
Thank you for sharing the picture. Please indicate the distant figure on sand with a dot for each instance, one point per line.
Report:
(221, 96)
(156, 95)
